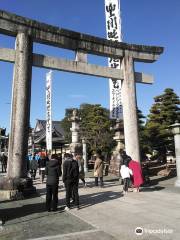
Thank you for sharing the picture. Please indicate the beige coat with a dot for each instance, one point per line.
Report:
(99, 166)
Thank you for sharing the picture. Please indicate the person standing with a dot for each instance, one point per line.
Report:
(42, 167)
(125, 159)
(53, 173)
(75, 181)
(80, 161)
(120, 161)
(137, 174)
(67, 166)
(59, 157)
(98, 169)
(33, 167)
(4, 163)
(70, 179)
(125, 174)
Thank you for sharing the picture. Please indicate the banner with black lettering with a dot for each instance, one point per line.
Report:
(48, 112)
(113, 30)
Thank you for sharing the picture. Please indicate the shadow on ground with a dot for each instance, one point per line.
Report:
(159, 179)
(31, 221)
(12, 211)
(152, 189)
(157, 183)
(88, 200)
(18, 209)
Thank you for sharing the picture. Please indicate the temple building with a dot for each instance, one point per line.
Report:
(37, 137)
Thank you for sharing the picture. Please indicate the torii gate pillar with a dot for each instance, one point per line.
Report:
(130, 108)
(20, 111)
(16, 178)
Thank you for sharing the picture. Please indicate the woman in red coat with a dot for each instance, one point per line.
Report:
(137, 174)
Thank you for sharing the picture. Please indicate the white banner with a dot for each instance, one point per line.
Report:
(113, 30)
(48, 112)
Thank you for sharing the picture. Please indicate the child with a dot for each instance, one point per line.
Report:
(125, 174)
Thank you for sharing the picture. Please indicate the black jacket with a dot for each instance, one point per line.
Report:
(52, 172)
(33, 164)
(42, 162)
(75, 171)
(70, 170)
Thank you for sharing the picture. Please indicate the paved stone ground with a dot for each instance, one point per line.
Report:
(105, 214)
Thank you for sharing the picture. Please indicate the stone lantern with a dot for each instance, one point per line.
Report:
(175, 129)
(119, 138)
(75, 146)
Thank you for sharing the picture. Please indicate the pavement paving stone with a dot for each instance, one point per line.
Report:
(105, 214)
(28, 218)
(84, 235)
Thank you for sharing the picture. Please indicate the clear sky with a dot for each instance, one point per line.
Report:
(143, 22)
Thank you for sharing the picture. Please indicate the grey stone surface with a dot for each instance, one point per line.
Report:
(104, 214)
(20, 110)
(84, 235)
(48, 62)
(27, 219)
(11, 24)
(129, 103)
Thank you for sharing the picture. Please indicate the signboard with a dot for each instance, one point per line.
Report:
(113, 30)
(48, 112)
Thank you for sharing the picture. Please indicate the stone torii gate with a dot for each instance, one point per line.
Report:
(28, 31)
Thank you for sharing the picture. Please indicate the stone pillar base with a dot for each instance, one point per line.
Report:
(177, 183)
(8, 194)
(114, 164)
(16, 188)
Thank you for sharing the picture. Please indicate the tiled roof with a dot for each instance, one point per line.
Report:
(40, 131)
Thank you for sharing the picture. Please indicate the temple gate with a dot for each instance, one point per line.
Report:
(28, 31)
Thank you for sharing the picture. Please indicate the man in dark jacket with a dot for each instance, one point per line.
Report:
(42, 166)
(52, 173)
(4, 162)
(33, 167)
(75, 181)
(70, 179)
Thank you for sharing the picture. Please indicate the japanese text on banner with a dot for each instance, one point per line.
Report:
(48, 112)
(113, 30)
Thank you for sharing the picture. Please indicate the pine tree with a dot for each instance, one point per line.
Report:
(144, 148)
(95, 127)
(66, 124)
(164, 112)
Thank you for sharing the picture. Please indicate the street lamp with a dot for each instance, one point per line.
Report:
(175, 129)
